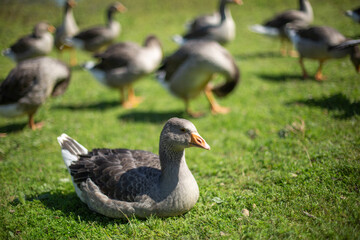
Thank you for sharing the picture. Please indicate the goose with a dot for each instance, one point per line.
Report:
(95, 38)
(29, 84)
(124, 63)
(188, 72)
(322, 43)
(219, 26)
(121, 183)
(354, 14)
(67, 29)
(275, 27)
(39, 43)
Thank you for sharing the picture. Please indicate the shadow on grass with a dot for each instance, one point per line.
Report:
(13, 128)
(150, 116)
(70, 205)
(254, 55)
(282, 77)
(337, 102)
(90, 106)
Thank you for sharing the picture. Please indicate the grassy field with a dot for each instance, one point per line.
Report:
(288, 152)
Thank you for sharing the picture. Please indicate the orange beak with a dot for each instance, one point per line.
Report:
(198, 141)
(51, 28)
(121, 8)
(238, 2)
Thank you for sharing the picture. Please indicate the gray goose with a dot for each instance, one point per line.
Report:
(121, 183)
(67, 29)
(29, 84)
(124, 63)
(188, 72)
(39, 43)
(354, 14)
(95, 38)
(322, 43)
(219, 26)
(275, 27)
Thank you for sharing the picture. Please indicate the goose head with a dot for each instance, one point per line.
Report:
(70, 4)
(238, 2)
(152, 40)
(41, 28)
(179, 134)
(355, 58)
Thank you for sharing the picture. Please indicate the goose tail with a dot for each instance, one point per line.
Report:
(346, 44)
(70, 149)
(224, 89)
(268, 31)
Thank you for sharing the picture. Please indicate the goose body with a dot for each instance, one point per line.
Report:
(187, 72)
(124, 63)
(67, 29)
(323, 43)
(275, 27)
(121, 183)
(354, 14)
(39, 43)
(29, 84)
(219, 26)
(95, 38)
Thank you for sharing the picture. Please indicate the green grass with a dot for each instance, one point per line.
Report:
(288, 151)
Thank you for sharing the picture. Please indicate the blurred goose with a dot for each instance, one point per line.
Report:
(354, 14)
(67, 29)
(95, 38)
(323, 43)
(29, 84)
(188, 72)
(275, 27)
(39, 43)
(219, 26)
(122, 183)
(124, 63)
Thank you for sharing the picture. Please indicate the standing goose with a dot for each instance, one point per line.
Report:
(124, 63)
(275, 27)
(67, 29)
(323, 43)
(122, 183)
(29, 84)
(354, 14)
(95, 38)
(39, 43)
(188, 71)
(219, 26)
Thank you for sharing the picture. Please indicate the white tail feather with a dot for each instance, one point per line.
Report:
(178, 39)
(70, 149)
(269, 31)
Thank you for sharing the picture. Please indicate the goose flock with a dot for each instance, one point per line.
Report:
(121, 183)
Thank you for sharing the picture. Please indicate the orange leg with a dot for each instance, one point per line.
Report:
(319, 76)
(304, 73)
(73, 58)
(215, 107)
(283, 51)
(191, 113)
(132, 101)
(32, 123)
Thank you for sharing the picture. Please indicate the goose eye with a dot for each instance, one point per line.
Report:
(183, 129)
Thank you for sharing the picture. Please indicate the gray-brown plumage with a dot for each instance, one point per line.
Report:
(219, 26)
(121, 183)
(29, 84)
(122, 64)
(39, 43)
(323, 43)
(67, 29)
(188, 72)
(95, 38)
(276, 26)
